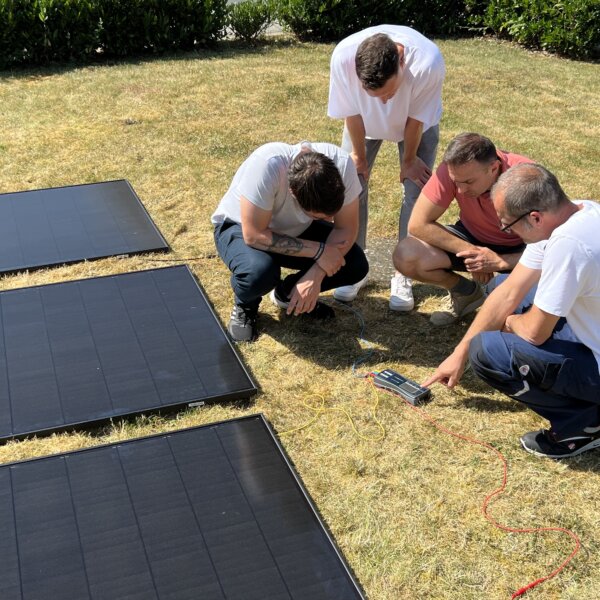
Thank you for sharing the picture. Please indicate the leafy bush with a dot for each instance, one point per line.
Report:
(570, 27)
(332, 20)
(38, 31)
(249, 19)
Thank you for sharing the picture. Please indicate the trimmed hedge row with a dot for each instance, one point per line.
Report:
(331, 20)
(39, 31)
(570, 27)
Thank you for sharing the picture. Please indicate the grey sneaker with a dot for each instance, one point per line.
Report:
(546, 443)
(458, 306)
(242, 324)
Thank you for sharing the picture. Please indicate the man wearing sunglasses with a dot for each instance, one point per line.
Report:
(537, 336)
(437, 254)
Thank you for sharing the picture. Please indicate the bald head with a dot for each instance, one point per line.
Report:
(527, 187)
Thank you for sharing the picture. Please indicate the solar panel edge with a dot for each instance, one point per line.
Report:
(314, 509)
(150, 219)
(159, 410)
(217, 320)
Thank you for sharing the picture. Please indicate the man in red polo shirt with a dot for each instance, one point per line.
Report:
(477, 244)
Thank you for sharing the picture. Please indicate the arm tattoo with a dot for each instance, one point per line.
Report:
(285, 244)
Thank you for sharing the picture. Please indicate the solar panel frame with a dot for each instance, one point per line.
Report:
(83, 524)
(130, 349)
(60, 222)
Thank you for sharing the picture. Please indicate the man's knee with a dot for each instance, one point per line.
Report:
(408, 256)
(357, 262)
(489, 356)
(256, 275)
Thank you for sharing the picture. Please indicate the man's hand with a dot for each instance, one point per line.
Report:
(415, 170)
(304, 296)
(480, 259)
(362, 167)
(332, 259)
(450, 371)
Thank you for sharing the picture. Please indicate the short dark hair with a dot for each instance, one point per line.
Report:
(376, 61)
(528, 186)
(316, 183)
(466, 147)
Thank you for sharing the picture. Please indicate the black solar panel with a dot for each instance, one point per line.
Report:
(79, 353)
(213, 512)
(63, 225)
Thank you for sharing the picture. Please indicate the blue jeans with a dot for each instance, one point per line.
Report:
(559, 380)
(255, 273)
(426, 152)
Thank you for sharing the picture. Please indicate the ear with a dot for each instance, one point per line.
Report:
(535, 217)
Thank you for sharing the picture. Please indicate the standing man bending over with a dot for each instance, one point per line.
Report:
(433, 252)
(294, 207)
(386, 83)
(534, 356)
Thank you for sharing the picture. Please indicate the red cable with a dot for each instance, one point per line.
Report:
(497, 492)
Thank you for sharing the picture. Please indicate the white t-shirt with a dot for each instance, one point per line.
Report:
(262, 179)
(419, 95)
(570, 281)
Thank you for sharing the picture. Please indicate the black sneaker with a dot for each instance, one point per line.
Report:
(242, 324)
(321, 310)
(545, 442)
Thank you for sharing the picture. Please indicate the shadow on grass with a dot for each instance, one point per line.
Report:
(225, 49)
(331, 344)
(491, 405)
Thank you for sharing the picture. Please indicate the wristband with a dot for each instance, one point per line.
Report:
(319, 252)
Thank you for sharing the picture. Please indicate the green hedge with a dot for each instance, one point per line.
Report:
(570, 27)
(332, 20)
(39, 31)
(249, 19)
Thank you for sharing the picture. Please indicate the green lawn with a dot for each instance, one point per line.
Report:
(406, 509)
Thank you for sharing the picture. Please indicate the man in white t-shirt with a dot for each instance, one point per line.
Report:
(386, 83)
(294, 207)
(541, 345)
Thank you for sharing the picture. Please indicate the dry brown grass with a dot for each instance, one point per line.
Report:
(405, 510)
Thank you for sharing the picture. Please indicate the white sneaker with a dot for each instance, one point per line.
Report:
(347, 293)
(401, 297)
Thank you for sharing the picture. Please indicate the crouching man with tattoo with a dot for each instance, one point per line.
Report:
(294, 207)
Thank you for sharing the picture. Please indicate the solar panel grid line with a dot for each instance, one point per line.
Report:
(137, 522)
(74, 509)
(254, 515)
(154, 347)
(197, 523)
(6, 556)
(6, 406)
(8, 245)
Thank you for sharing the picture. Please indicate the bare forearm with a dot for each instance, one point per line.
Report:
(270, 241)
(342, 239)
(356, 130)
(413, 132)
(510, 261)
